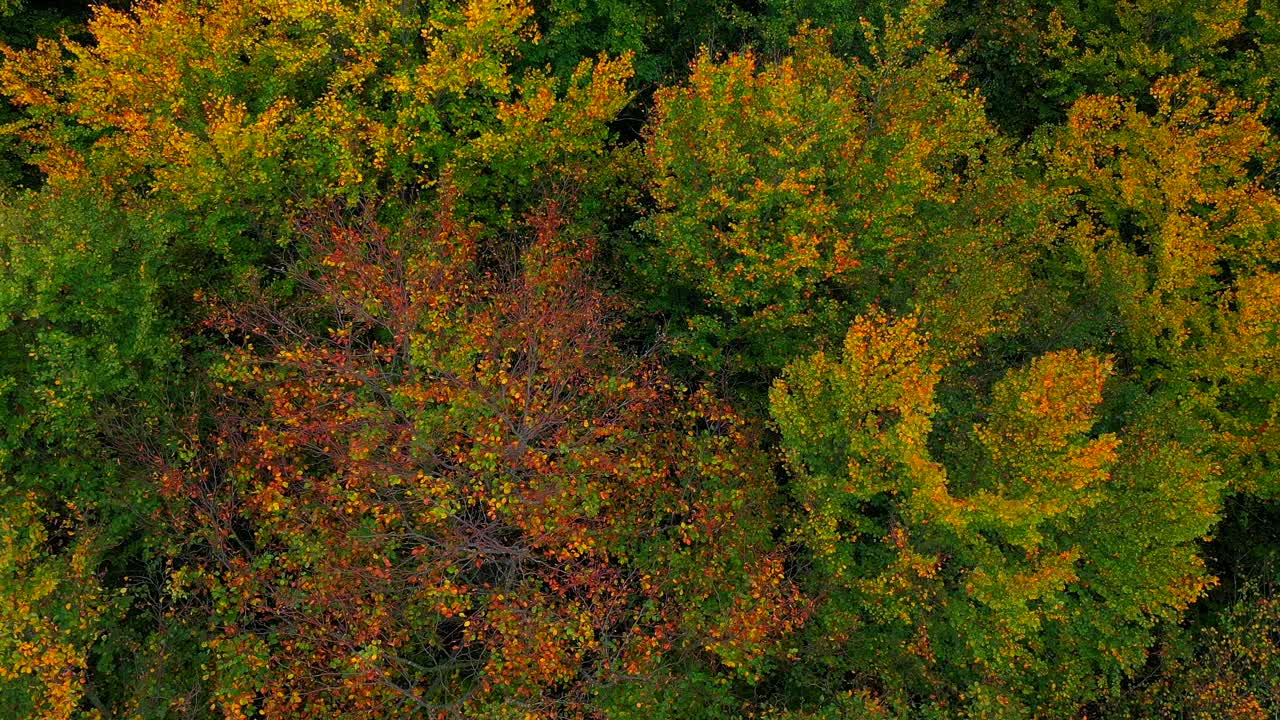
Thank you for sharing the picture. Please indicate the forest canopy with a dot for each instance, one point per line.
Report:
(631, 359)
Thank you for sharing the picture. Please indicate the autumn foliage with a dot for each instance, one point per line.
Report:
(436, 490)
(621, 359)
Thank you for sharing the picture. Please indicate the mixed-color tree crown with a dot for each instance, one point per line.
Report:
(632, 359)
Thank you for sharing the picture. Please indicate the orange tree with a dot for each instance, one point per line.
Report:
(233, 110)
(1163, 253)
(437, 492)
(792, 195)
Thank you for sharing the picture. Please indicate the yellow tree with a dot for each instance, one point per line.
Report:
(790, 195)
(1168, 230)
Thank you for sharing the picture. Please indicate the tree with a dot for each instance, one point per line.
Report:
(1169, 224)
(230, 117)
(791, 196)
(1034, 59)
(1230, 669)
(1023, 579)
(437, 491)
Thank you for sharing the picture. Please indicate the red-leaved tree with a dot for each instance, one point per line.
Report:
(441, 491)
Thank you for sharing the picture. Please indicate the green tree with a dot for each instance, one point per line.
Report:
(1230, 669)
(1021, 580)
(1034, 58)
